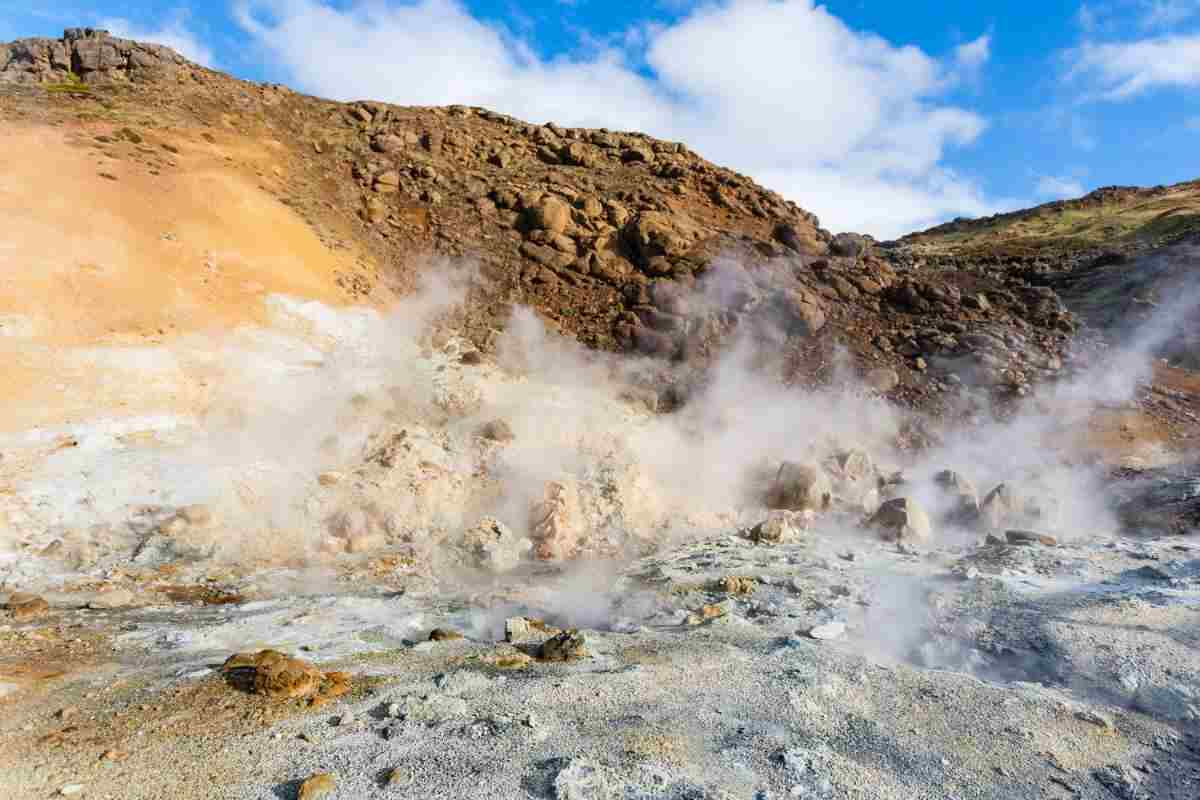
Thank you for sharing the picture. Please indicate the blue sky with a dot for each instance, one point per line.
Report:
(877, 116)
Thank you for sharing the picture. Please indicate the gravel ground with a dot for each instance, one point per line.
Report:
(970, 672)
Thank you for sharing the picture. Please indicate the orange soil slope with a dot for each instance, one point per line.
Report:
(96, 250)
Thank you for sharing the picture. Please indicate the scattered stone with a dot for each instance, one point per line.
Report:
(1095, 718)
(24, 606)
(330, 478)
(110, 600)
(901, 519)
(1029, 538)
(397, 777)
(432, 709)
(708, 612)
(581, 780)
(71, 789)
(527, 629)
(497, 431)
(444, 635)
(320, 785)
(780, 526)
(569, 645)
(733, 584)
(506, 657)
(882, 379)
(830, 630)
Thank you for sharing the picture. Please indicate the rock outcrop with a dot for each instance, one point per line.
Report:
(85, 56)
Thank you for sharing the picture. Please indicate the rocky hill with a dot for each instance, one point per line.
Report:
(1115, 257)
(606, 234)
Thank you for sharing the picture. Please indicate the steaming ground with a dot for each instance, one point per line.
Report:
(343, 481)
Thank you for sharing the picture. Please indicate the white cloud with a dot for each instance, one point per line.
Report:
(974, 54)
(1122, 70)
(174, 34)
(845, 123)
(1166, 13)
(1059, 187)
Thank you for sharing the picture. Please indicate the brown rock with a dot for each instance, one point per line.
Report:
(273, 674)
(901, 519)
(734, 584)
(320, 785)
(526, 629)
(24, 606)
(550, 214)
(637, 154)
(882, 379)
(1026, 538)
(496, 431)
(566, 646)
(556, 523)
(800, 487)
(444, 635)
(652, 234)
(802, 312)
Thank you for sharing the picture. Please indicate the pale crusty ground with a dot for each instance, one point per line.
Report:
(970, 673)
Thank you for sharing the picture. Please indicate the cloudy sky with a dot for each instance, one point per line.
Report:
(879, 117)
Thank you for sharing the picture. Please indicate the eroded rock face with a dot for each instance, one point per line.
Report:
(556, 524)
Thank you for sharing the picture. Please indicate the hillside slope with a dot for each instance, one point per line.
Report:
(620, 240)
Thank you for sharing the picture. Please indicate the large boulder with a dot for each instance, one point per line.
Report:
(780, 526)
(850, 245)
(653, 234)
(800, 487)
(961, 500)
(549, 214)
(802, 312)
(491, 546)
(999, 508)
(902, 519)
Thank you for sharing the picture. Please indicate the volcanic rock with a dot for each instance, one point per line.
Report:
(800, 487)
(901, 519)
